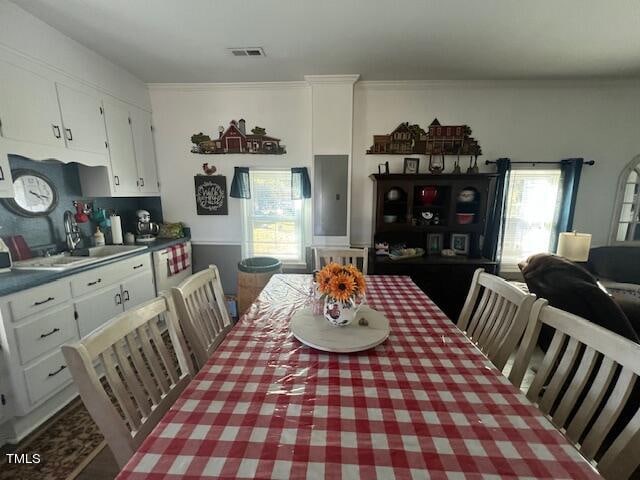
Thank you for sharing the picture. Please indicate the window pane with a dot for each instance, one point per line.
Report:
(532, 205)
(623, 229)
(630, 192)
(273, 221)
(633, 177)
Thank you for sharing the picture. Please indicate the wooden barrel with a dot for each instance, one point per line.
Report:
(253, 274)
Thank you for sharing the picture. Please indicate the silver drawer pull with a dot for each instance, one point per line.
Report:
(95, 282)
(42, 302)
(45, 335)
(53, 374)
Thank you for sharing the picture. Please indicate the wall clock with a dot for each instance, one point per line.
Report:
(35, 194)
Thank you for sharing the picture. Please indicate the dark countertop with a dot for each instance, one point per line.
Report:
(18, 280)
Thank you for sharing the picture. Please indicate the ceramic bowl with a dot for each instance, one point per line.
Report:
(465, 218)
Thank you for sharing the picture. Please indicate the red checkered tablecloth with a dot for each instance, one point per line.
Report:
(424, 404)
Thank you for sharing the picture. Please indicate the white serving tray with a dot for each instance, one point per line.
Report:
(316, 332)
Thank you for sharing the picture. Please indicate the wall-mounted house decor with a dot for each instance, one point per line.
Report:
(235, 139)
(211, 194)
(403, 140)
(438, 141)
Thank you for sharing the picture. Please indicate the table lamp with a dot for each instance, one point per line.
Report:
(574, 246)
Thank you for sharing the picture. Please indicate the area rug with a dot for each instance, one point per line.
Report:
(66, 444)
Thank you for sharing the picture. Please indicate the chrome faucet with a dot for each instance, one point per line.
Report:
(71, 230)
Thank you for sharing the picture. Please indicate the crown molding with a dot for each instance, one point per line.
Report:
(524, 83)
(333, 79)
(204, 87)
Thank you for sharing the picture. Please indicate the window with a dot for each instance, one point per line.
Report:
(627, 224)
(274, 223)
(532, 208)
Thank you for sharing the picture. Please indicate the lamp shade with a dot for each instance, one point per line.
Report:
(574, 246)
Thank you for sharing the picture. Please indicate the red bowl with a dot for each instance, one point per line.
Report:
(465, 218)
(428, 195)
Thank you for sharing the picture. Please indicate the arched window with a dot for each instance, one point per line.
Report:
(626, 219)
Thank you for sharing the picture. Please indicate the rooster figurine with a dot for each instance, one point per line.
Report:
(209, 170)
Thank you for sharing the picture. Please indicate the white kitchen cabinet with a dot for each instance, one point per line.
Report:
(121, 153)
(6, 180)
(29, 109)
(138, 290)
(95, 310)
(144, 150)
(83, 125)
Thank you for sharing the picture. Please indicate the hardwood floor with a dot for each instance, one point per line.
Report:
(102, 467)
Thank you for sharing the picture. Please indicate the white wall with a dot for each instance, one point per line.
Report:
(521, 120)
(284, 109)
(22, 33)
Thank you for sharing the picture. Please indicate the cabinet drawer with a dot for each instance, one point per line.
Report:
(38, 299)
(136, 265)
(46, 376)
(94, 280)
(97, 309)
(45, 333)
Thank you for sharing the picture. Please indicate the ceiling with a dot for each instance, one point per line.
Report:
(187, 41)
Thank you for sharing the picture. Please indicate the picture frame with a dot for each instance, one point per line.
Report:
(211, 194)
(383, 168)
(411, 166)
(460, 243)
(434, 243)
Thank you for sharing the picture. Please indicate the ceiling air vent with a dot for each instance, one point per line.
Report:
(247, 52)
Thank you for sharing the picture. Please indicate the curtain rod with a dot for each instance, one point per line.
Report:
(590, 162)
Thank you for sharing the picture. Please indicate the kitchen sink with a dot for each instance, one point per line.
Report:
(77, 258)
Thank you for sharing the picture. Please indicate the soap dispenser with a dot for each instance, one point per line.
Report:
(98, 238)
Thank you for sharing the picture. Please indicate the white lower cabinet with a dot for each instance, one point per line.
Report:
(98, 308)
(34, 380)
(46, 376)
(138, 290)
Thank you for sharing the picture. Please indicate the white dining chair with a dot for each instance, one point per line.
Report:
(145, 371)
(343, 256)
(202, 312)
(583, 384)
(494, 316)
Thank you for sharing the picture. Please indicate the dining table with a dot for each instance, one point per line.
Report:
(425, 404)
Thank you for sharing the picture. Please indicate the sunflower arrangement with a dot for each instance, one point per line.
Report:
(340, 282)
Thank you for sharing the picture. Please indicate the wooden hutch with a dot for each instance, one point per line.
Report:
(408, 208)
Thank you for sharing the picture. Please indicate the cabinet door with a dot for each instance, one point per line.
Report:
(121, 153)
(145, 151)
(29, 109)
(82, 120)
(138, 290)
(97, 309)
(6, 181)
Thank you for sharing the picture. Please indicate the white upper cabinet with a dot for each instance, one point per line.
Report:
(120, 140)
(83, 125)
(144, 150)
(29, 109)
(6, 181)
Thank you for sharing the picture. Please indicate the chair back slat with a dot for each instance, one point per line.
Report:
(119, 389)
(342, 256)
(142, 367)
(577, 386)
(142, 378)
(494, 316)
(137, 390)
(586, 385)
(202, 312)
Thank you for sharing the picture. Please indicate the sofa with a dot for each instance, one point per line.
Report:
(617, 268)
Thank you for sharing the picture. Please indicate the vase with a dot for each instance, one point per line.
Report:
(339, 313)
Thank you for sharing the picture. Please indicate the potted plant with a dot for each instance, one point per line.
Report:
(343, 288)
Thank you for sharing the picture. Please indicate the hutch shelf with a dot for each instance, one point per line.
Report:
(429, 211)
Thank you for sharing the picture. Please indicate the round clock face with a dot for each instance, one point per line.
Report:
(35, 194)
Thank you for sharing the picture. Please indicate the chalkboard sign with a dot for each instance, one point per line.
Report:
(211, 194)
